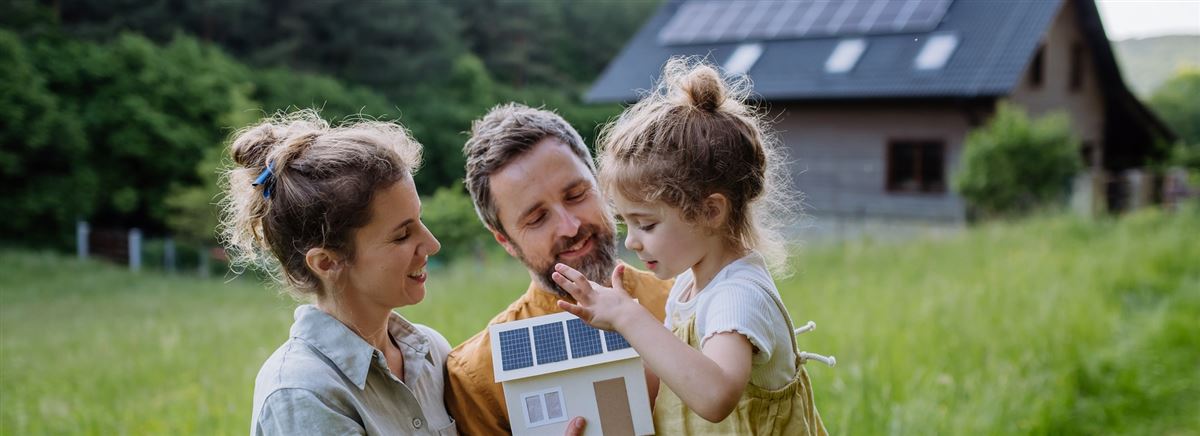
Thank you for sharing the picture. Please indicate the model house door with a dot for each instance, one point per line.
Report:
(612, 399)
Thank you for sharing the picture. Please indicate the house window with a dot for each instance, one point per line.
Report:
(845, 55)
(1035, 70)
(743, 58)
(936, 52)
(916, 167)
(1076, 67)
(544, 407)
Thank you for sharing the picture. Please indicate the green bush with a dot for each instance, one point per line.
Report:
(451, 218)
(1014, 165)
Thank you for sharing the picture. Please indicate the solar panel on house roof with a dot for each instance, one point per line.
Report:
(615, 341)
(514, 349)
(550, 343)
(710, 21)
(585, 340)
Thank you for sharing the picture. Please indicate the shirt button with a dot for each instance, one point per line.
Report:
(417, 423)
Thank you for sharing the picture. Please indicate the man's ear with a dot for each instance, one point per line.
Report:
(716, 210)
(324, 263)
(504, 242)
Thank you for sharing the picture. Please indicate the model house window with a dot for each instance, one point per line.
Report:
(1076, 67)
(1035, 69)
(544, 407)
(916, 167)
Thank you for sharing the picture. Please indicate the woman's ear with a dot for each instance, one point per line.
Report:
(324, 263)
(716, 210)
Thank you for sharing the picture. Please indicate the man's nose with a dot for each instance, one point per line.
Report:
(568, 223)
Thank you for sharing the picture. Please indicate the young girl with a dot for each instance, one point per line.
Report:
(697, 181)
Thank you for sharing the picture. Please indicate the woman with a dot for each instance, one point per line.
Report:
(334, 213)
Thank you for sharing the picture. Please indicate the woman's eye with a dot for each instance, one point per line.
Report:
(577, 196)
(647, 227)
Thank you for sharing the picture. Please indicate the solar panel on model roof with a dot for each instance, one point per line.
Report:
(710, 21)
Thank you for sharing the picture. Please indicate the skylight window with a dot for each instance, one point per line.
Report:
(743, 58)
(936, 52)
(845, 55)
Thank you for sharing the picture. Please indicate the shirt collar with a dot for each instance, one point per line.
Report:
(351, 354)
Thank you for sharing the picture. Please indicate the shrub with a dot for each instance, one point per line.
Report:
(1014, 165)
(451, 218)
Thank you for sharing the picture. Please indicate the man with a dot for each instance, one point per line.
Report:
(534, 186)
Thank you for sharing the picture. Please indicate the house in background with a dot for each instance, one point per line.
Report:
(555, 367)
(874, 98)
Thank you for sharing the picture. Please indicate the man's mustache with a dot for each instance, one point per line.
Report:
(565, 243)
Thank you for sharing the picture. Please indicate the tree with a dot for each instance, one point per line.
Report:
(1013, 165)
(1178, 103)
(148, 113)
(45, 179)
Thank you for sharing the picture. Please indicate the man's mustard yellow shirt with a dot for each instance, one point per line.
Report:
(474, 398)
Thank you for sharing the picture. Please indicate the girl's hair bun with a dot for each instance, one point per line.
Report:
(704, 88)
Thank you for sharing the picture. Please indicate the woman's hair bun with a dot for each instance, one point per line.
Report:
(704, 88)
(251, 147)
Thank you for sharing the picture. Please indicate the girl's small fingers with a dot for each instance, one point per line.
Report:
(570, 273)
(576, 310)
(578, 293)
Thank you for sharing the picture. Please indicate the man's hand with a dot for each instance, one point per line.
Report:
(599, 306)
(575, 426)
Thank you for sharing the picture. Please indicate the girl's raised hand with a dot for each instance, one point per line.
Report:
(599, 306)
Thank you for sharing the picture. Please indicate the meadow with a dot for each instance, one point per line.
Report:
(1051, 325)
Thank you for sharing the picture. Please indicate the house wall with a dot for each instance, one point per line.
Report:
(838, 154)
(1085, 106)
(580, 397)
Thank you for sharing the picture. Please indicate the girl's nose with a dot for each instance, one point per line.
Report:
(633, 244)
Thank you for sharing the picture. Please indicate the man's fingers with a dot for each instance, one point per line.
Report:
(576, 426)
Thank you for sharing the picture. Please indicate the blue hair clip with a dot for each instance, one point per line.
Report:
(266, 179)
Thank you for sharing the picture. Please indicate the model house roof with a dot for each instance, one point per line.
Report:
(552, 343)
(840, 49)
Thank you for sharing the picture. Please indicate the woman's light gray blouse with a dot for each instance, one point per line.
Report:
(327, 380)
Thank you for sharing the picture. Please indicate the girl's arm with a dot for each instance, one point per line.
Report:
(709, 382)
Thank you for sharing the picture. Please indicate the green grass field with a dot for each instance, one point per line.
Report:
(1048, 326)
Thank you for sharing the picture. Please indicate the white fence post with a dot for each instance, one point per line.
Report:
(82, 233)
(135, 250)
(169, 254)
(204, 255)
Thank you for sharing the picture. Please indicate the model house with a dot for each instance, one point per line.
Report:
(556, 367)
(874, 99)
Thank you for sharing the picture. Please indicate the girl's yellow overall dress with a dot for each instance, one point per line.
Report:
(788, 410)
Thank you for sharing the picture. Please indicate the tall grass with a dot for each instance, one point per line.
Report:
(1048, 326)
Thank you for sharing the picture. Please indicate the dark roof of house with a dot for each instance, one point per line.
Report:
(996, 41)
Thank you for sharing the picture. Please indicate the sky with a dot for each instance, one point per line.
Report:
(1125, 19)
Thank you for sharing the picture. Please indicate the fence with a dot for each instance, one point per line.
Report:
(131, 247)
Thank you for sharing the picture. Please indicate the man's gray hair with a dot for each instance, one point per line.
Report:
(501, 136)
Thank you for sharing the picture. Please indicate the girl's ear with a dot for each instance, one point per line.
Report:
(324, 263)
(716, 210)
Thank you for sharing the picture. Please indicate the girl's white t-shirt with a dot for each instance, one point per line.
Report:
(739, 299)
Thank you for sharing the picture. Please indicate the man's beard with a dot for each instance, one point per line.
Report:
(597, 266)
